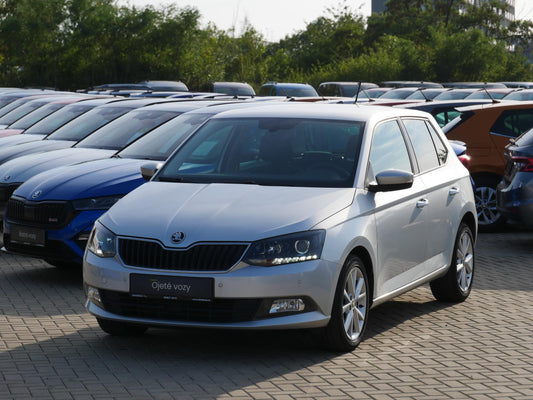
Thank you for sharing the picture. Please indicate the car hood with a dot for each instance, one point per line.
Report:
(23, 168)
(222, 212)
(40, 146)
(16, 139)
(107, 177)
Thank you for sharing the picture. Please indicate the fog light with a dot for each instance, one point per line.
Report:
(287, 305)
(93, 295)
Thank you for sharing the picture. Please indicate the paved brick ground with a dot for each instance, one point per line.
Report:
(415, 348)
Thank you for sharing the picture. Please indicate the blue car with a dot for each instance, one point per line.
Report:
(51, 215)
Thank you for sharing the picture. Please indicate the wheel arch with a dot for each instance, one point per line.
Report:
(470, 220)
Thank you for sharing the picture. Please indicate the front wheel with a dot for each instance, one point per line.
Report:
(489, 218)
(350, 308)
(456, 285)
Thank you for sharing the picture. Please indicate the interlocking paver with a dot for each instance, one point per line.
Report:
(415, 347)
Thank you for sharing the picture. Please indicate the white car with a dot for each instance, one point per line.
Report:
(285, 217)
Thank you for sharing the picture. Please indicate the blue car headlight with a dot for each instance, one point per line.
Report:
(102, 242)
(287, 249)
(95, 203)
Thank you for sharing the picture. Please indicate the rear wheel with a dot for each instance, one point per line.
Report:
(489, 218)
(350, 308)
(116, 328)
(456, 285)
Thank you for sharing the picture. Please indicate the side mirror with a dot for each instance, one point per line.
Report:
(149, 169)
(390, 180)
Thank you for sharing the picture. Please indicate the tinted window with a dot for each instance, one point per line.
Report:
(388, 149)
(513, 123)
(21, 111)
(161, 142)
(59, 118)
(446, 116)
(422, 142)
(119, 133)
(35, 116)
(269, 151)
(87, 123)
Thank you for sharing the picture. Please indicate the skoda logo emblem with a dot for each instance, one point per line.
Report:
(36, 194)
(6, 178)
(178, 237)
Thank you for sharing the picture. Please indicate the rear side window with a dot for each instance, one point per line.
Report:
(388, 149)
(426, 154)
(513, 123)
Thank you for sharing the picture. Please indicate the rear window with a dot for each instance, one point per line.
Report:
(457, 121)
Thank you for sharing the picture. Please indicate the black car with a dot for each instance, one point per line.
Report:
(515, 191)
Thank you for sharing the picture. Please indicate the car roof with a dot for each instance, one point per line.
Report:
(497, 106)
(321, 111)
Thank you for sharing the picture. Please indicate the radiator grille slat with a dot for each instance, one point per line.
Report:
(202, 257)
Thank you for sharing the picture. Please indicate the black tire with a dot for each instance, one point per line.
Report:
(456, 285)
(489, 218)
(116, 328)
(351, 302)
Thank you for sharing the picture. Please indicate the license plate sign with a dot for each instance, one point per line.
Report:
(171, 287)
(28, 236)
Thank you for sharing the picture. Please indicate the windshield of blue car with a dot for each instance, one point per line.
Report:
(54, 119)
(269, 151)
(87, 123)
(162, 141)
(125, 130)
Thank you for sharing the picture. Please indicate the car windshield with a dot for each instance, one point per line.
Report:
(57, 119)
(21, 111)
(87, 123)
(161, 142)
(522, 96)
(397, 94)
(302, 91)
(118, 134)
(269, 151)
(37, 115)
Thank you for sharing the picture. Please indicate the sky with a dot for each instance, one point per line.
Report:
(275, 19)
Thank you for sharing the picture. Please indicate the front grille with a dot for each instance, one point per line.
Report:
(53, 214)
(218, 310)
(202, 257)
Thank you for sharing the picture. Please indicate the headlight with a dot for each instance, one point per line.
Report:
(95, 203)
(102, 242)
(288, 249)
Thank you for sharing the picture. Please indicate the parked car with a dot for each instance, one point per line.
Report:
(455, 94)
(486, 130)
(515, 191)
(42, 113)
(520, 95)
(496, 94)
(231, 88)
(444, 111)
(418, 84)
(287, 89)
(343, 89)
(102, 143)
(90, 189)
(286, 217)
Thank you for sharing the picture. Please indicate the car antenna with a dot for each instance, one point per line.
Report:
(490, 97)
(357, 94)
(421, 89)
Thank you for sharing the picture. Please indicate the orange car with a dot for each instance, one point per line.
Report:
(486, 130)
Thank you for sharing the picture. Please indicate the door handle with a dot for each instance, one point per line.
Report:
(453, 191)
(422, 203)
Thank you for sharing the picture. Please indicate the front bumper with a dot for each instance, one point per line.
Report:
(241, 297)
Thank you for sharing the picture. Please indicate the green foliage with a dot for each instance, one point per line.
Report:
(70, 44)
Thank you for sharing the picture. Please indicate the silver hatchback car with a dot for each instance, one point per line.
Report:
(286, 217)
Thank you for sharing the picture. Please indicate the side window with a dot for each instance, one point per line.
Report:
(388, 149)
(443, 117)
(442, 151)
(426, 154)
(513, 123)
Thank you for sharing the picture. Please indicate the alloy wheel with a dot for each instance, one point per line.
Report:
(487, 206)
(354, 303)
(465, 261)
